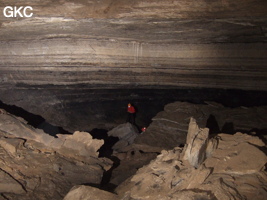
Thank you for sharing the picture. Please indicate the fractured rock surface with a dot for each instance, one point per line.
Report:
(169, 130)
(169, 127)
(228, 173)
(196, 144)
(34, 165)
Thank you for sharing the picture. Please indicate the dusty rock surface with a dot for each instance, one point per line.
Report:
(169, 127)
(34, 165)
(229, 167)
(226, 173)
(86, 193)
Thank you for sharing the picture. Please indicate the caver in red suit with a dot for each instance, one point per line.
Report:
(131, 114)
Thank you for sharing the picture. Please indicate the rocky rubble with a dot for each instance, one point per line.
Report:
(34, 165)
(219, 167)
(223, 168)
(170, 127)
(131, 156)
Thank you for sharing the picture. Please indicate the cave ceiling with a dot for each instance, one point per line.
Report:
(69, 45)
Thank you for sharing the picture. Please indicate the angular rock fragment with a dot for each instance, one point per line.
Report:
(126, 134)
(196, 144)
(44, 166)
(86, 192)
(81, 142)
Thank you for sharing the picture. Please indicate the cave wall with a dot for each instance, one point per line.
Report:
(71, 45)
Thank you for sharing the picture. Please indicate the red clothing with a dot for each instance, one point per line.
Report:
(131, 109)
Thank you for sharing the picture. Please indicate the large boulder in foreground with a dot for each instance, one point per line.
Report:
(34, 165)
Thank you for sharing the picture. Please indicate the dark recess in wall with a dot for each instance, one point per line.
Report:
(34, 120)
(111, 104)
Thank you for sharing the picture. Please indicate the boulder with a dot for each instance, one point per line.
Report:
(81, 142)
(169, 127)
(196, 144)
(45, 166)
(126, 134)
(83, 192)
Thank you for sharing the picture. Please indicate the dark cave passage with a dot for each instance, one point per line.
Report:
(106, 108)
(106, 151)
(36, 121)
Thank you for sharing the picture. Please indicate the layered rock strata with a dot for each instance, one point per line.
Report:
(169, 127)
(68, 47)
(35, 165)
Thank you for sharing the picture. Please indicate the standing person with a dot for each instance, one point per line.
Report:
(131, 113)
